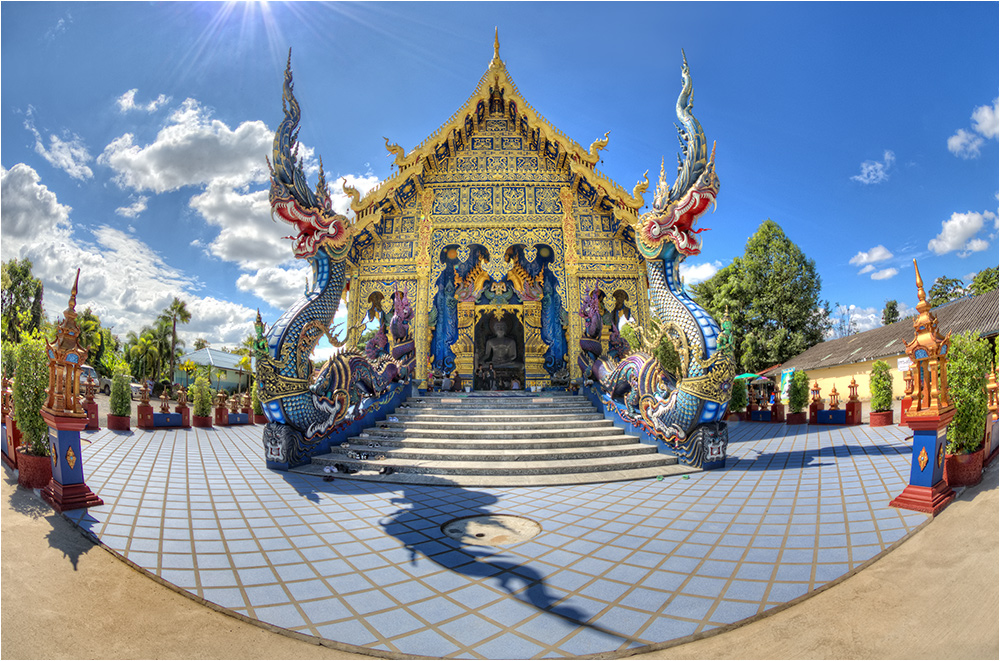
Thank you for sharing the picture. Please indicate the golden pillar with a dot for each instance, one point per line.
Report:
(423, 281)
(572, 279)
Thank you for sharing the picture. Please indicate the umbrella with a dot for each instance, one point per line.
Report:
(762, 379)
(747, 375)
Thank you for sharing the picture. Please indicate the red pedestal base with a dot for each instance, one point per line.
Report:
(91, 409)
(221, 416)
(907, 401)
(145, 414)
(777, 412)
(11, 443)
(853, 410)
(813, 410)
(185, 412)
(71, 497)
(929, 500)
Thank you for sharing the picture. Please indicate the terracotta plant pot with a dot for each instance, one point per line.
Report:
(799, 418)
(880, 419)
(119, 422)
(963, 470)
(33, 472)
(201, 421)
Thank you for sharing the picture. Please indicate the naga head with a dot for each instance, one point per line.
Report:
(309, 212)
(668, 230)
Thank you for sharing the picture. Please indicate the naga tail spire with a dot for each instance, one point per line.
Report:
(291, 199)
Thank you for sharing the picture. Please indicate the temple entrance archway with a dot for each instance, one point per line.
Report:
(499, 341)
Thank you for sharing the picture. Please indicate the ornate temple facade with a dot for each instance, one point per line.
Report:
(496, 226)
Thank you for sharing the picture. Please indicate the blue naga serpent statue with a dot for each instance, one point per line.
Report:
(304, 405)
(689, 416)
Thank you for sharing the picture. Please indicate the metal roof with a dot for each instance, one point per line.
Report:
(977, 313)
(214, 357)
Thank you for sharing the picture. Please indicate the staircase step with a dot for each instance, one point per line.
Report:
(673, 471)
(339, 455)
(499, 417)
(445, 467)
(362, 444)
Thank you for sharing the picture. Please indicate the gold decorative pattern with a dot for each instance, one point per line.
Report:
(71, 457)
(719, 369)
(922, 459)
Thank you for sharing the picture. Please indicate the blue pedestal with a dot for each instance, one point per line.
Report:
(838, 417)
(927, 466)
(239, 419)
(67, 489)
(760, 416)
(167, 420)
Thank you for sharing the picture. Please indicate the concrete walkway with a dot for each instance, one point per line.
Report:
(883, 611)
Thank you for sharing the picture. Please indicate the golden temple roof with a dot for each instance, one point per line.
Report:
(581, 162)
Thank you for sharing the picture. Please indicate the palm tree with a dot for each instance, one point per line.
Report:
(244, 366)
(160, 334)
(177, 311)
(145, 351)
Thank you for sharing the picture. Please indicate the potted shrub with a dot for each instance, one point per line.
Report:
(258, 411)
(798, 398)
(30, 380)
(120, 406)
(880, 385)
(968, 364)
(738, 400)
(201, 397)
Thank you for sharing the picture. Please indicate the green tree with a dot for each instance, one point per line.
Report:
(968, 364)
(121, 392)
(176, 312)
(20, 299)
(843, 322)
(202, 395)
(738, 400)
(798, 392)
(31, 377)
(984, 281)
(880, 386)
(200, 343)
(772, 292)
(890, 313)
(945, 290)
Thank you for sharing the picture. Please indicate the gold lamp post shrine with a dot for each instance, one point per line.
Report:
(65, 416)
(930, 412)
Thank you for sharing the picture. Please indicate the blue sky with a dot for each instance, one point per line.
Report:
(134, 134)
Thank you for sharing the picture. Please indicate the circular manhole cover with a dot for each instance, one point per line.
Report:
(491, 529)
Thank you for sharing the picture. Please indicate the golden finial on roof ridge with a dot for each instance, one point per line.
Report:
(71, 308)
(496, 42)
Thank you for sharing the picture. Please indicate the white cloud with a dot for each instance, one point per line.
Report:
(133, 210)
(875, 172)
(884, 274)
(191, 150)
(865, 318)
(965, 144)
(986, 120)
(867, 269)
(57, 29)
(976, 245)
(123, 280)
(28, 209)
(877, 254)
(126, 102)
(985, 124)
(695, 273)
(276, 286)
(69, 155)
(959, 231)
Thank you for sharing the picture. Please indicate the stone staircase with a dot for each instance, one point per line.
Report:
(495, 440)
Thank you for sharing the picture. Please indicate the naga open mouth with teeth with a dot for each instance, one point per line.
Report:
(676, 223)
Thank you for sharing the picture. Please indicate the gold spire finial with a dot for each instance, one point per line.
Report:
(496, 43)
(921, 295)
(72, 295)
